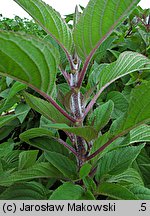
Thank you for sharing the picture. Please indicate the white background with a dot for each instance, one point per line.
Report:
(8, 8)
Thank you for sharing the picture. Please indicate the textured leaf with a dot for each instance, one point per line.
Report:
(141, 192)
(43, 139)
(39, 170)
(130, 176)
(27, 159)
(45, 108)
(88, 133)
(63, 164)
(101, 115)
(116, 191)
(6, 119)
(8, 127)
(117, 161)
(142, 164)
(6, 148)
(101, 51)
(22, 111)
(137, 113)
(140, 134)
(99, 142)
(28, 60)
(127, 62)
(84, 171)
(49, 19)
(67, 191)
(97, 22)
(120, 103)
(25, 191)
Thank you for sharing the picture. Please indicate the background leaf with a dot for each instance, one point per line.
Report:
(39, 170)
(6, 119)
(137, 113)
(101, 115)
(25, 191)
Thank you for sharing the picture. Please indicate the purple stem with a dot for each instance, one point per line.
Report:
(111, 140)
(101, 148)
(93, 101)
(66, 75)
(67, 146)
(87, 61)
(47, 97)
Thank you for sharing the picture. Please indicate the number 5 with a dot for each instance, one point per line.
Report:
(143, 207)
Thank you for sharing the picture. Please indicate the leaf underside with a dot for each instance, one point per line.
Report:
(50, 20)
(28, 60)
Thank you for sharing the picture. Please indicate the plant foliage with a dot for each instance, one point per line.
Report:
(74, 103)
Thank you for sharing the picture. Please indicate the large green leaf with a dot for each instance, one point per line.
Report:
(88, 133)
(116, 191)
(45, 108)
(67, 191)
(25, 191)
(127, 62)
(28, 60)
(50, 20)
(97, 22)
(39, 170)
(137, 113)
(63, 164)
(117, 161)
(43, 139)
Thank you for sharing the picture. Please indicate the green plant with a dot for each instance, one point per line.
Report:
(97, 156)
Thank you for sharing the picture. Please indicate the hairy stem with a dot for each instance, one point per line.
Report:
(65, 74)
(77, 112)
(67, 146)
